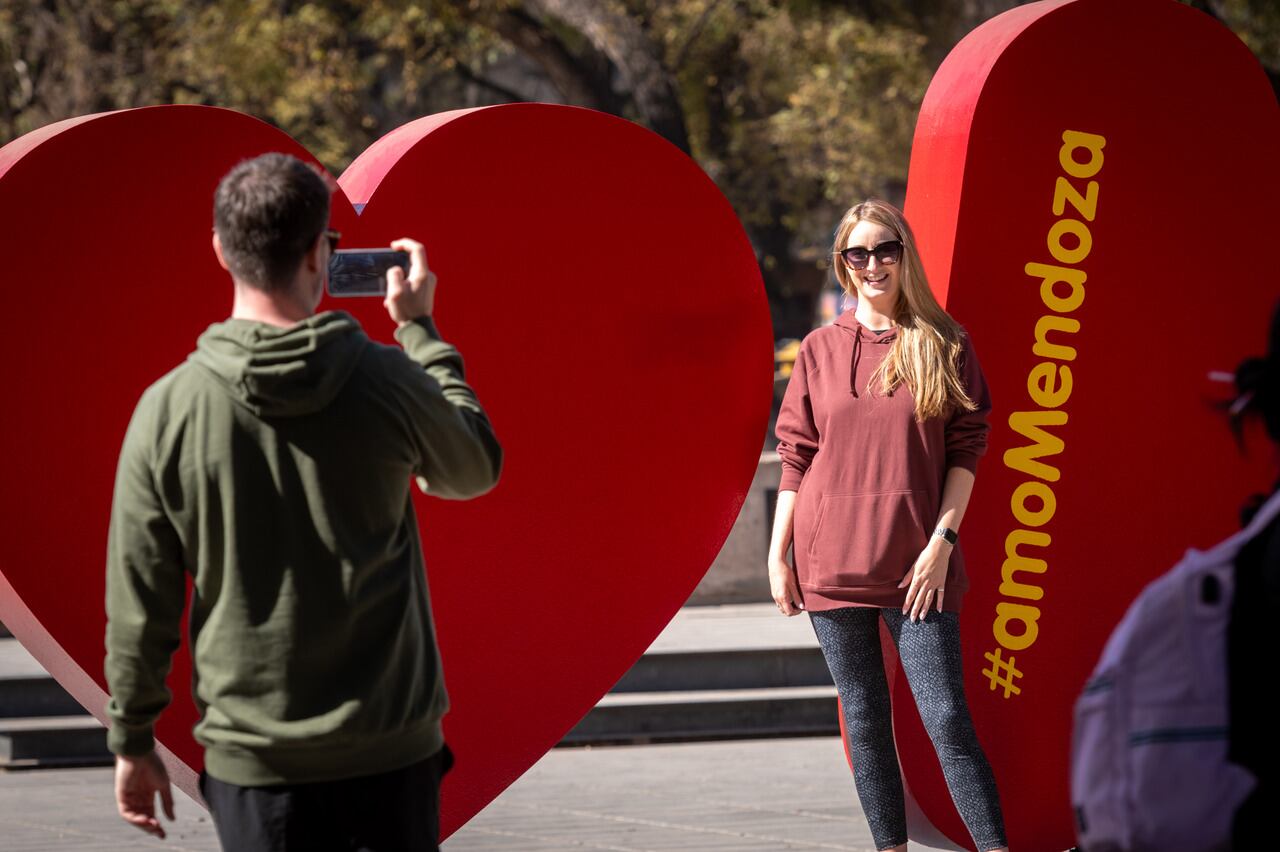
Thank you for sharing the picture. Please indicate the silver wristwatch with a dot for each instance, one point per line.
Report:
(947, 534)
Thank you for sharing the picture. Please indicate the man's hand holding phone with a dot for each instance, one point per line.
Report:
(414, 296)
(399, 274)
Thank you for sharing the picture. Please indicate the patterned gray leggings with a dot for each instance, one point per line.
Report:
(930, 653)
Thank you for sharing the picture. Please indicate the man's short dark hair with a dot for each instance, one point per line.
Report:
(268, 212)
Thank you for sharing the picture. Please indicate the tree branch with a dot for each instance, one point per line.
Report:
(574, 78)
(696, 30)
(466, 73)
(632, 53)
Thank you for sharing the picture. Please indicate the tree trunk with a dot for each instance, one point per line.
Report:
(635, 57)
(582, 80)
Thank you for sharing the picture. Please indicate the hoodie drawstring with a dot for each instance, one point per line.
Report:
(853, 362)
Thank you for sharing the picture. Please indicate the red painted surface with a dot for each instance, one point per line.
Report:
(1179, 282)
(613, 322)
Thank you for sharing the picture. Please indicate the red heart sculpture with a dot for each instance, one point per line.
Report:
(611, 314)
(1126, 151)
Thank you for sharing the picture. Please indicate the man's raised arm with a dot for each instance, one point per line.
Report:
(459, 455)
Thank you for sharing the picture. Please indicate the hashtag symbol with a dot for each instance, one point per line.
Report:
(999, 665)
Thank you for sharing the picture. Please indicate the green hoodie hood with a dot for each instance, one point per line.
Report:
(282, 372)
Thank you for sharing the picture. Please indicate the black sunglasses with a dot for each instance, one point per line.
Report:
(886, 253)
(334, 237)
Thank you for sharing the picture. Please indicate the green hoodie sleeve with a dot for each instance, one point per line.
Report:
(458, 454)
(146, 588)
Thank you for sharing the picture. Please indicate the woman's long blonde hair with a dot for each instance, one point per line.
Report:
(924, 357)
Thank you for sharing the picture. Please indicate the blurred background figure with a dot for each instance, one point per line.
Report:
(1175, 745)
(1254, 739)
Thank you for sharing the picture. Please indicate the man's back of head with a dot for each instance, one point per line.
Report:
(268, 212)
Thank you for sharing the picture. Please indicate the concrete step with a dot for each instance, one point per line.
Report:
(733, 627)
(34, 696)
(745, 668)
(26, 689)
(719, 672)
(53, 741)
(40, 724)
(647, 717)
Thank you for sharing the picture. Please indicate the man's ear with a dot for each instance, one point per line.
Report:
(217, 251)
(312, 257)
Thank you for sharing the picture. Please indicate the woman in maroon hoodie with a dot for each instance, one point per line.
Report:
(880, 433)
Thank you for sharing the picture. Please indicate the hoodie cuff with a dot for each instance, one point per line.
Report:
(790, 479)
(419, 329)
(130, 741)
(968, 461)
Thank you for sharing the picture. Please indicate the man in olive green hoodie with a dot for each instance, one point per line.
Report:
(272, 470)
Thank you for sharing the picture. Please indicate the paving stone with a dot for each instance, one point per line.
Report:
(74, 809)
(733, 627)
(746, 796)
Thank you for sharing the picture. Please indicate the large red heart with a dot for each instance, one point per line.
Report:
(611, 314)
(1149, 131)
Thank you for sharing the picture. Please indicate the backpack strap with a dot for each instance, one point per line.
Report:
(1225, 551)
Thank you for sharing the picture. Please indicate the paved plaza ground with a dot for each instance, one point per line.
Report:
(743, 795)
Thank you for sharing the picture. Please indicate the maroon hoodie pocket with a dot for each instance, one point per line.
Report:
(865, 539)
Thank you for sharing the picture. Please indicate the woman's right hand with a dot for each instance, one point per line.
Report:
(784, 587)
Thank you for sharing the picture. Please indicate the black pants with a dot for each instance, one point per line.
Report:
(930, 653)
(397, 811)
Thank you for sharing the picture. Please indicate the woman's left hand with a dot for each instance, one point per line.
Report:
(927, 578)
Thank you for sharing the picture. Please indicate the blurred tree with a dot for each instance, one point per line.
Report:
(59, 59)
(335, 75)
(796, 108)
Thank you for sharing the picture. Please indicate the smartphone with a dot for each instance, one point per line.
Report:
(363, 272)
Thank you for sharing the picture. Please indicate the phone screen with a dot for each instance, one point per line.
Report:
(363, 272)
